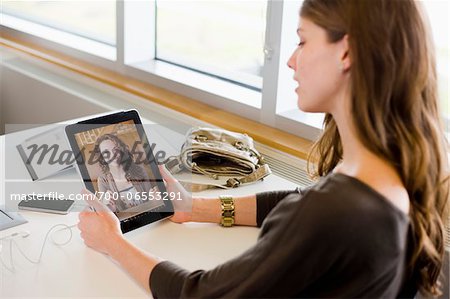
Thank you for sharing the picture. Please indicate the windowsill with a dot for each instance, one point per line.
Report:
(203, 82)
(239, 77)
(61, 37)
(313, 119)
(264, 134)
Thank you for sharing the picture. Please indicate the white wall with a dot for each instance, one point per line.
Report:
(2, 87)
(34, 92)
(27, 100)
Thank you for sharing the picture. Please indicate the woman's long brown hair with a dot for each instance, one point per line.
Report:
(132, 171)
(394, 104)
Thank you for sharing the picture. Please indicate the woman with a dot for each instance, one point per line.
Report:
(121, 176)
(374, 224)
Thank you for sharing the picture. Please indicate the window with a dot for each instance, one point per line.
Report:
(65, 21)
(287, 113)
(221, 38)
(438, 14)
(230, 54)
(212, 51)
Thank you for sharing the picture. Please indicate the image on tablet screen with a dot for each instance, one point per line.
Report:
(118, 168)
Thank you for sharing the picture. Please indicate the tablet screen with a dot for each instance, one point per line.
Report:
(117, 164)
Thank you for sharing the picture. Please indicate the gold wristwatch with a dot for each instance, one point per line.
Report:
(227, 204)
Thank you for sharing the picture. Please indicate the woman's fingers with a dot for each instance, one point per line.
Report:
(172, 184)
(94, 202)
(167, 176)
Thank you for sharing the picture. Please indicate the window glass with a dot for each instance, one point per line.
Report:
(91, 19)
(221, 38)
(438, 14)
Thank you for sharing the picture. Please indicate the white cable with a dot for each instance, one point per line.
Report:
(12, 242)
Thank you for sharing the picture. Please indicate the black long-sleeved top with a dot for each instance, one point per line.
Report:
(339, 238)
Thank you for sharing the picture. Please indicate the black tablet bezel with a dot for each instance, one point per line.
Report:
(111, 119)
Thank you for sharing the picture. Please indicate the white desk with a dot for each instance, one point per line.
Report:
(75, 271)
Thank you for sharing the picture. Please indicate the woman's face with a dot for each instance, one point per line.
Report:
(318, 66)
(110, 152)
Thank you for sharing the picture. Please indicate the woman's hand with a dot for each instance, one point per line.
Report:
(100, 229)
(183, 207)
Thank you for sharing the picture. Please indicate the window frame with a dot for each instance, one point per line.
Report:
(261, 105)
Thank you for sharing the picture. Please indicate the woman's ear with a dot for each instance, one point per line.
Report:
(344, 55)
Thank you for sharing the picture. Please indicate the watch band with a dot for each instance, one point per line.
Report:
(227, 205)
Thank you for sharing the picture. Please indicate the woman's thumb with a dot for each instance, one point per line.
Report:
(167, 176)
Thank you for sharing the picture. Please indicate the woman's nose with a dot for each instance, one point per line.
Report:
(291, 62)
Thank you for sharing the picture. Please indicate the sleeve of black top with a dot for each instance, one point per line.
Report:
(266, 201)
(279, 265)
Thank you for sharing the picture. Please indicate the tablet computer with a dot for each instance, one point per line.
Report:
(116, 163)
